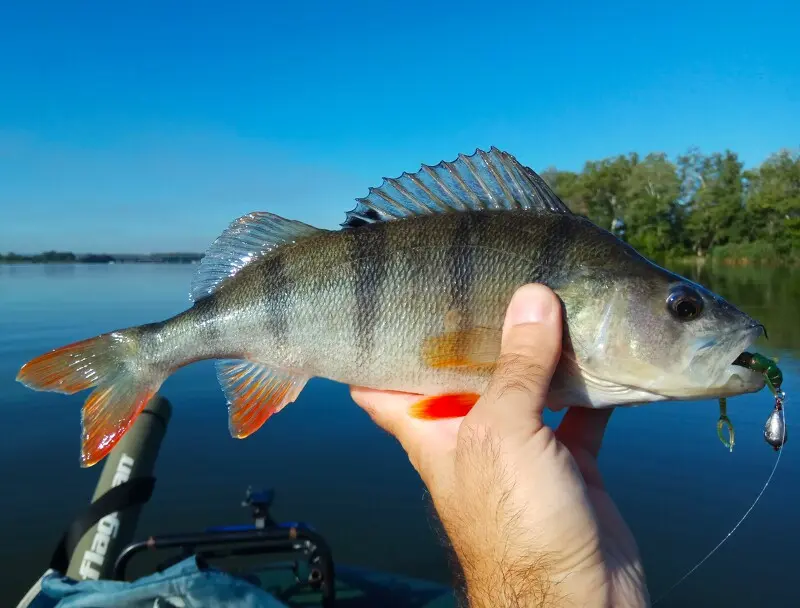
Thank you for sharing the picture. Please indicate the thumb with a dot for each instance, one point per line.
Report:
(515, 398)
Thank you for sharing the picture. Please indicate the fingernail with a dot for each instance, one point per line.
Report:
(531, 304)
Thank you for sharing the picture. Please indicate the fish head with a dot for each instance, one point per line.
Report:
(646, 334)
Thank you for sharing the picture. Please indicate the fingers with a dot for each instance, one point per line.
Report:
(583, 429)
(531, 348)
(425, 441)
(387, 409)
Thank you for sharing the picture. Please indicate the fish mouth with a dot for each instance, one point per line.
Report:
(741, 380)
(731, 378)
(713, 371)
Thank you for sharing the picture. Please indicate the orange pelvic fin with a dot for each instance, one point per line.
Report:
(254, 393)
(438, 407)
(475, 348)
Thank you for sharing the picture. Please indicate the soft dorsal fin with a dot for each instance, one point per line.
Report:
(483, 181)
(246, 239)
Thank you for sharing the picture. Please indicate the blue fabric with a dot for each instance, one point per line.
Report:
(183, 585)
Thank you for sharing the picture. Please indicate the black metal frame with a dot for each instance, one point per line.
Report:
(264, 538)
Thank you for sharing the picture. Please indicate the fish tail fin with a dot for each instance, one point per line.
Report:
(123, 385)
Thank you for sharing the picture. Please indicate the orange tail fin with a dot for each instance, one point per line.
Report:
(444, 406)
(108, 362)
(69, 369)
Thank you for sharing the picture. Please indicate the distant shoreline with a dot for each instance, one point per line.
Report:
(52, 257)
(59, 257)
(85, 263)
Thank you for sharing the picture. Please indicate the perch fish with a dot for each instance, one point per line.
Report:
(410, 295)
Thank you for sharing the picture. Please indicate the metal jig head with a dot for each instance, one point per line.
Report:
(775, 427)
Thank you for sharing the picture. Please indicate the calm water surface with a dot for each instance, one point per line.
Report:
(680, 490)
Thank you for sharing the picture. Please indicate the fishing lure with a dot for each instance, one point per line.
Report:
(723, 422)
(774, 434)
(775, 427)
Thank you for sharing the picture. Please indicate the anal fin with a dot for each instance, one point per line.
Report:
(255, 392)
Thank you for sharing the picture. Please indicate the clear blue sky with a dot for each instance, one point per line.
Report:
(149, 126)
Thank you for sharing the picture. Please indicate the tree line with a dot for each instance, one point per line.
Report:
(697, 205)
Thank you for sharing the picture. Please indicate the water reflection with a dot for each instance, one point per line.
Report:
(680, 490)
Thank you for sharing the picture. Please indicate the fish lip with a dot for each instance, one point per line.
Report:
(740, 379)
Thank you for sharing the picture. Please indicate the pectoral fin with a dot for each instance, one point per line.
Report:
(475, 348)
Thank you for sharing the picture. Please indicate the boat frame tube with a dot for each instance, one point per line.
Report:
(133, 457)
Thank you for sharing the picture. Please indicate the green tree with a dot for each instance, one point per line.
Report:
(716, 208)
(701, 204)
(601, 189)
(773, 202)
(653, 217)
(567, 185)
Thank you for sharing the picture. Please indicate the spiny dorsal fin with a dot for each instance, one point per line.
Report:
(246, 239)
(483, 181)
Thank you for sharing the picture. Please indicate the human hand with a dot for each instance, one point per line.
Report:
(524, 507)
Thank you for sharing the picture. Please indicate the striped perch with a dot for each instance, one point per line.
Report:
(410, 295)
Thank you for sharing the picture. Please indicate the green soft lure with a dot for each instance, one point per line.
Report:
(723, 422)
(761, 364)
(775, 427)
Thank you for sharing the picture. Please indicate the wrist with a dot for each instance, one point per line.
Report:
(496, 573)
(510, 585)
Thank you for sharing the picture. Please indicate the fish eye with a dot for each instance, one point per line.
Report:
(684, 303)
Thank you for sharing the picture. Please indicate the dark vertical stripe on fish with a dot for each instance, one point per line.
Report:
(466, 237)
(368, 252)
(206, 319)
(552, 239)
(280, 285)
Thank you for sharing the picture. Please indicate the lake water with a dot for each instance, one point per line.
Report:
(678, 487)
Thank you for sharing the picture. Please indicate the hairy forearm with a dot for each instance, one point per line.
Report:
(495, 558)
(496, 565)
(510, 586)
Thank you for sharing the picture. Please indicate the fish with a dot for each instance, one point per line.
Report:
(409, 294)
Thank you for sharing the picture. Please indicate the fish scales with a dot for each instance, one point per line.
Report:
(347, 289)
(373, 295)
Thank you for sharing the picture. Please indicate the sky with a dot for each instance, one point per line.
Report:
(134, 127)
